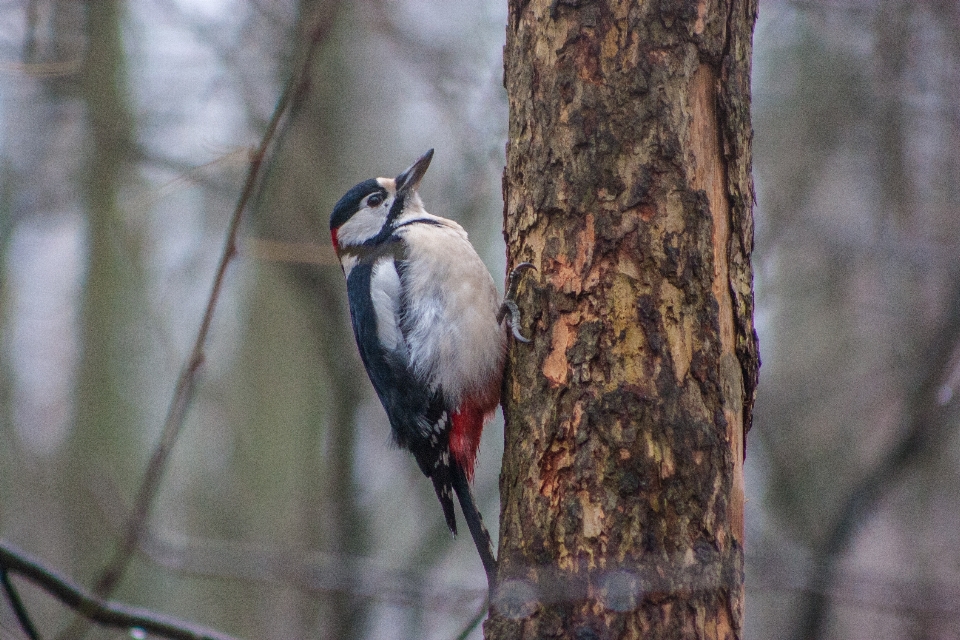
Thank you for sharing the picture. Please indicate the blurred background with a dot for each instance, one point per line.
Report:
(284, 512)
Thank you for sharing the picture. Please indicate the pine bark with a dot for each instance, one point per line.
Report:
(628, 185)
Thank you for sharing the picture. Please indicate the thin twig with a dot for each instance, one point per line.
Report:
(309, 572)
(186, 383)
(109, 614)
(476, 620)
(17, 605)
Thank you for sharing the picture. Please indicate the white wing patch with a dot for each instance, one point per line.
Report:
(385, 295)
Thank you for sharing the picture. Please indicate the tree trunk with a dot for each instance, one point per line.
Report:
(628, 186)
(104, 445)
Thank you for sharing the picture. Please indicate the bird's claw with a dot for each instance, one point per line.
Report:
(509, 306)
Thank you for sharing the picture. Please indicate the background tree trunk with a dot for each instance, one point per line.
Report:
(628, 185)
(107, 400)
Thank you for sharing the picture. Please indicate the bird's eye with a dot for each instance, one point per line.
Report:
(375, 200)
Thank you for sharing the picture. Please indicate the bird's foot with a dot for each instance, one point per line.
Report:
(509, 306)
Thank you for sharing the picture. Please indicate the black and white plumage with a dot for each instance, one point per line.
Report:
(427, 320)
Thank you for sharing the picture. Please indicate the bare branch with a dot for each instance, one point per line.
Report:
(26, 624)
(109, 614)
(186, 383)
(927, 424)
(307, 571)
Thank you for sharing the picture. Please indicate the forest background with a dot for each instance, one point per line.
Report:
(284, 512)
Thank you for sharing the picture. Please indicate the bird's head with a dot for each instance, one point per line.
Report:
(368, 213)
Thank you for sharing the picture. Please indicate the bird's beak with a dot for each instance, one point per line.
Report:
(409, 180)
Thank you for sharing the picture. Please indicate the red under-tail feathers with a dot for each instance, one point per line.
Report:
(465, 435)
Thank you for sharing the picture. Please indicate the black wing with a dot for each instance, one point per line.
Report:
(418, 419)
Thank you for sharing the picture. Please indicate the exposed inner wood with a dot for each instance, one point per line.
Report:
(710, 176)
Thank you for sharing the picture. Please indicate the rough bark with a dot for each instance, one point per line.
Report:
(628, 186)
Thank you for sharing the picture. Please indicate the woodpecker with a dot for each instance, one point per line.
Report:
(429, 327)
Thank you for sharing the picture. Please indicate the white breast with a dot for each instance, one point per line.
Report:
(450, 323)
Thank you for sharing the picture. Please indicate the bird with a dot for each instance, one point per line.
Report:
(429, 326)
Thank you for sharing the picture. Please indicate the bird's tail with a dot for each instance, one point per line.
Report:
(481, 537)
(443, 485)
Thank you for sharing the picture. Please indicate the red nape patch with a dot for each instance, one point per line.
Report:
(465, 436)
(333, 236)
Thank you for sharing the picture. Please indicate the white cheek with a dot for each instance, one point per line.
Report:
(364, 225)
